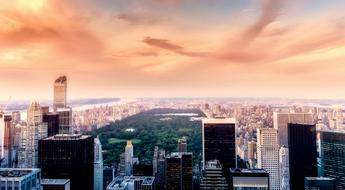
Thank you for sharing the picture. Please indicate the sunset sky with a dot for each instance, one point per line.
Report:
(173, 48)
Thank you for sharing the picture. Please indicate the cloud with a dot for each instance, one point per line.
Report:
(270, 10)
(167, 45)
(141, 16)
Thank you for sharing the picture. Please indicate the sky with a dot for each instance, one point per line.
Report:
(173, 48)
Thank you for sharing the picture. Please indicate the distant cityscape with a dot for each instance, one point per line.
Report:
(246, 144)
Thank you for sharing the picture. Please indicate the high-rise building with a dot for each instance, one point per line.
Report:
(98, 166)
(20, 179)
(302, 153)
(68, 157)
(52, 120)
(251, 150)
(60, 92)
(268, 154)
(129, 158)
(253, 179)
(30, 135)
(218, 142)
(65, 120)
(161, 172)
(109, 173)
(333, 156)
(284, 168)
(281, 120)
(182, 144)
(319, 183)
(213, 176)
(6, 139)
(179, 171)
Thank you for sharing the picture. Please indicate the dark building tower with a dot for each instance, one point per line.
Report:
(218, 141)
(333, 156)
(161, 172)
(302, 153)
(179, 171)
(182, 144)
(52, 120)
(68, 157)
(174, 172)
(212, 176)
(8, 141)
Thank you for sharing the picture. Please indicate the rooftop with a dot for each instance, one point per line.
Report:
(68, 137)
(122, 181)
(61, 79)
(54, 181)
(16, 172)
(320, 178)
(248, 171)
(219, 120)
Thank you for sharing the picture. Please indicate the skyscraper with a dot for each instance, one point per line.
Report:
(284, 168)
(31, 133)
(68, 157)
(6, 139)
(333, 156)
(129, 158)
(319, 183)
(268, 154)
(182, 144)
(218, 142)
(213, 176)
(302, 153)
(60, 92)
(52, 120)
(98, 166)
(20, 179)
(179, 171)
(281, 120)
(65, 120)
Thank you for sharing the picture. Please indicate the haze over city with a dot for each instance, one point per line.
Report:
(173, 48)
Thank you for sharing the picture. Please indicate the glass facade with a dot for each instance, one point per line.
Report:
(333, 156)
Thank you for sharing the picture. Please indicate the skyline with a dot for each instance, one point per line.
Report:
(169, 48)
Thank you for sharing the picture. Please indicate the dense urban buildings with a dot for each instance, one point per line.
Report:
(60, 92)
(253, 179)
(268, 155)
(68, 157)
(218, 142)
(333, 156)
(302, 153)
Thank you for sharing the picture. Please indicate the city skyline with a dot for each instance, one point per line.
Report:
(173, 48)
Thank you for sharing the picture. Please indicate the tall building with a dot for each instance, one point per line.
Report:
(213, 177)
(333, 156)
(161, 172)
(30, 135)
(179, 171)
(65, 120)
(108, 175)
(302, 153)
(281, 120)
(68, 157)
(20, 179)
(251, 150)
(319, 183)
(268, 154)
(60, 92)
(218, 142)
(6, 139)
(182, 144)
(253, 179)
(98, 166)
(129, 158)
(52, 120)
(284, 168)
